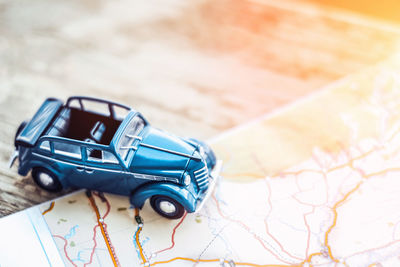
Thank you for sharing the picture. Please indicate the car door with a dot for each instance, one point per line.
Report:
(67, 158)
(102, 172)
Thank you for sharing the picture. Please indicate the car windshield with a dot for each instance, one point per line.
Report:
(129, 136)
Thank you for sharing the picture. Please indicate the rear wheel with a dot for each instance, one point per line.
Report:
(46, 179)
(167, 207)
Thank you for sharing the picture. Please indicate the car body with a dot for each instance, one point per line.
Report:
(109, 147)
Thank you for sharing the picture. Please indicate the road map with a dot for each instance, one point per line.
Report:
(314, 184)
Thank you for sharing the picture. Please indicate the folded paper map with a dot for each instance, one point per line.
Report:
(316, 183)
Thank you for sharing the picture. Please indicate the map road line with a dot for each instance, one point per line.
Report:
(65, 249)
(335, 219)
(94, 247)
(137, 234)
(173, 235)
(273, 253)
(139, 245)
(218, 260)
(103, 231)
(49, 209)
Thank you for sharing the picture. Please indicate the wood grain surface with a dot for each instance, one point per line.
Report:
(195, 68)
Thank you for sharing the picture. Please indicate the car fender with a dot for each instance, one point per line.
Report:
(180, 194)
(39, 164)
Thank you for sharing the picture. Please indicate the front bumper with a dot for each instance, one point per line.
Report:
(215, 176)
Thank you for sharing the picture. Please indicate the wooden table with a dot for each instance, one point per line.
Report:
(193, 68)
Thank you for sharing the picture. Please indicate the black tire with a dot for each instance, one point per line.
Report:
(161, 203)
(46, 179)
(19, 130)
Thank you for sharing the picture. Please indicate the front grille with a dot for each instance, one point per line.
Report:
(201, 176)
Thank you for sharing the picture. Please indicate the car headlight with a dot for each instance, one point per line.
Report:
(187, 179)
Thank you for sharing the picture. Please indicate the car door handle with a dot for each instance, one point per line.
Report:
(89, 170)
(80, 169)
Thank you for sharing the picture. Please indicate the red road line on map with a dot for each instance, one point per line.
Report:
(173, 235)
(311, 205)
(295, 173)
(94, 233)
(279, 244)
(65, 249)
(381, 172)
(106, 237)
(326, 241)
(350, 164)
(218, 260)
(248, 229)
(94, 247)
(343, 200)
(334, 209)
(393, 135)
(266, 224)
(373, 249)
(49, 209)
(107, 203)
(270, 206)
(347, 164)
(294, 196)
(308, 230)
(305, 221)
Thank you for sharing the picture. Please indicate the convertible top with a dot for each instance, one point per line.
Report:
(38, 124)
(76, 122)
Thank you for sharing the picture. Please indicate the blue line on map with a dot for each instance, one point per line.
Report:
(134, 243)
(78, 257)
(218, 195)
(72, 232)
(52, 237)
(98, 259)
(147, 239)
(215, 232)
(37, 234)
(292, 227)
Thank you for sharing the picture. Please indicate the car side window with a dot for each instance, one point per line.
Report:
(68, 150)
(101, 156)
(45, 145)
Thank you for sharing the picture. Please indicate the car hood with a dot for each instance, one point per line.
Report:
(162, 154)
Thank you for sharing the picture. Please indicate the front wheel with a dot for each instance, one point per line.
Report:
(46, 179)
(167, 207)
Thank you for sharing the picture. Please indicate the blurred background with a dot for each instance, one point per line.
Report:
(384, 9)
(195, 68)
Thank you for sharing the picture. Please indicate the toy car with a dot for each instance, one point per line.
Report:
(109, 147)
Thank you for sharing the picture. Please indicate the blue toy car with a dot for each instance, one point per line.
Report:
(105, 146)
